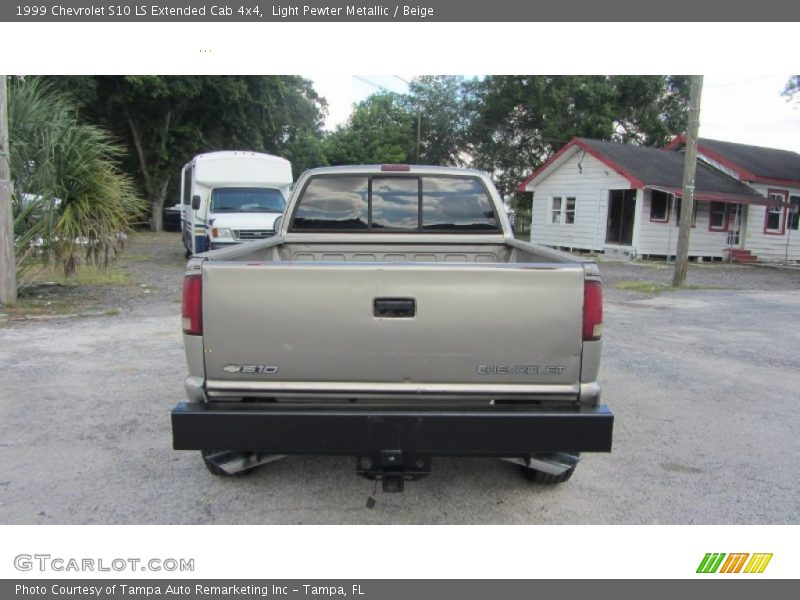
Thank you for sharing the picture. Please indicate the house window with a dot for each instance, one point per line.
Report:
(774, 221)
(569, 212)
(562, 211)
(717, 220)
(659, 206)
(555, 211)
(794, 213)
(678, 212)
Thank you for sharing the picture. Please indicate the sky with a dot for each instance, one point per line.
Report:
(745, 108)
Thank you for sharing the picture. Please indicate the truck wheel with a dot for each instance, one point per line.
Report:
(542, 477)
(187, 253)
(537, 476)
(217, 471)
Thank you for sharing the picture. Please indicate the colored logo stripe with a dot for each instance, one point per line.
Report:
(710, 563)
(758, 563)
(733, 564)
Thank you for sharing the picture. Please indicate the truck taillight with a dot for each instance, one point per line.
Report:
(592, 311)
(193, 305)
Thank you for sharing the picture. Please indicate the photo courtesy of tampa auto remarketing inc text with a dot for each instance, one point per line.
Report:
(487, 288)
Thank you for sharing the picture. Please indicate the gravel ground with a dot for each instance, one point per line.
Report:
(708, 275)
(703, 384)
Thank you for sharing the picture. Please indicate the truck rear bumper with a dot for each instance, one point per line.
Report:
(493, 431)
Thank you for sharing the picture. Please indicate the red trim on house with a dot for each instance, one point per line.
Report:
(742, 173)
(669, 208)
(726, 217)
(787, 182)
(782, 230)
(716, 196)
(635, 182)
(521, 187)
(676, 141)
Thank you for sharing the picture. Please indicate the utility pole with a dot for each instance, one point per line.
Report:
(8, 282)
(419, 128)
(689, 167)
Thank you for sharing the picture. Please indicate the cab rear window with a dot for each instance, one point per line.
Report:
(394, 204)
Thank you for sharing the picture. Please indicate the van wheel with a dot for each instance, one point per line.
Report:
(215, 470)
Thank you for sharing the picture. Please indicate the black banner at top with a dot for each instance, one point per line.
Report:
(392, 11)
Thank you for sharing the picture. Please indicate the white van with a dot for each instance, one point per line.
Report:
(230, 197)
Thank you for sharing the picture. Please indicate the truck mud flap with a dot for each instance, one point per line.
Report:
(275, 429)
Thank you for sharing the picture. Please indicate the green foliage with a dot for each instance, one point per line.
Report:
(380, 130)
(166, 120)
(443, 118)
(792, 88)
(71, 199)
(518, 121)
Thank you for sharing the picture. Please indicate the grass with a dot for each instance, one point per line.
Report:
(655, 287)
(49, 293)
(131, 257)
(85, 275)
(644, 287)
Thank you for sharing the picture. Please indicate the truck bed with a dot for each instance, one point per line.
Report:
(353, 250)
(491, 321)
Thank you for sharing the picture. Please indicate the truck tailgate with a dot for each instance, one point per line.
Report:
(346, 328)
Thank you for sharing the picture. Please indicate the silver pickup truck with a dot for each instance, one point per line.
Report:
(393, 318)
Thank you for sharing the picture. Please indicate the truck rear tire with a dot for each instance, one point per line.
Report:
(537, 476)
(217, 471)
(542, 477)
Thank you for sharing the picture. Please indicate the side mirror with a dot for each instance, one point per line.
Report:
(277, 224)
(195, 202)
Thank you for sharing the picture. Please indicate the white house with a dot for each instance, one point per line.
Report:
(609, 197)
(766, 231)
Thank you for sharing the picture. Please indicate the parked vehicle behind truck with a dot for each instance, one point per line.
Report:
(230, 197)
(393, 318)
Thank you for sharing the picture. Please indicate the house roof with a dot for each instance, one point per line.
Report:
(750, 163)
(646, 167)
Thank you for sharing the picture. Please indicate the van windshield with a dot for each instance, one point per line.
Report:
(247, 200)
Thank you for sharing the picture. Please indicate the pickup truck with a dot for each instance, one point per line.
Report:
(394, 318)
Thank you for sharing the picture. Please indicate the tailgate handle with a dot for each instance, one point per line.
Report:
(394, 307)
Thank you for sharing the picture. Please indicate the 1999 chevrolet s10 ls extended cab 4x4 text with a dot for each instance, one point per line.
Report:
(394, 318)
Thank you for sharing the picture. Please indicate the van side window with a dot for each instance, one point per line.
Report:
(187, 185)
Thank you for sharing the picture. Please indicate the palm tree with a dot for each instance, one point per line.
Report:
(71, 200)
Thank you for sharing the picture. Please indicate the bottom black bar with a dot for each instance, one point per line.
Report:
(492, 431)
(393, 589)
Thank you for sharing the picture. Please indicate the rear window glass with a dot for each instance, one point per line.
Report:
(395, 203)
(247, 200)
(401, 203)
(456, 203)
(333, 203)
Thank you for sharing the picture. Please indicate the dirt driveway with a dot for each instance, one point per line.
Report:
(703, 383)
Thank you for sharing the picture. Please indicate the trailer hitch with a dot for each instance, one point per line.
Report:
(393, 468)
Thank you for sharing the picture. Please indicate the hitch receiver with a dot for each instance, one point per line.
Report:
(393, 468)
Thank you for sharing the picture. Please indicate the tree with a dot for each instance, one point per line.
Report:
(519, 121)
(165, 120)
(71, 199)
(792, 88)
(380, 130)
(444, 120)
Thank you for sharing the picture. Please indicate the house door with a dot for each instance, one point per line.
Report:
(621, 209)
(734, 219)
